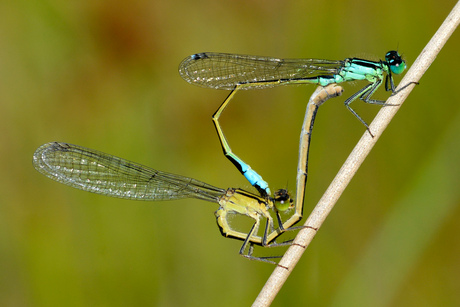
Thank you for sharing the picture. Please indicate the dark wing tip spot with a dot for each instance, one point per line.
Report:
(199, 56)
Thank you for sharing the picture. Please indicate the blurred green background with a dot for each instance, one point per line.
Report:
(103, 75)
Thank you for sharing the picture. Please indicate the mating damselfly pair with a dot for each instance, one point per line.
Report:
(101, 173)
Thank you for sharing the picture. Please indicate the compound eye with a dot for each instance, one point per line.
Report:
(398, 68)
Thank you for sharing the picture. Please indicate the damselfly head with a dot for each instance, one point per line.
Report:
(395, 62)
(283, 200)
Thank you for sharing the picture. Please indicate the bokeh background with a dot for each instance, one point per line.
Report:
(103, 75)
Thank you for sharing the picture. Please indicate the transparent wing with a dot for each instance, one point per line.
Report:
(101, 173)
(225, 71)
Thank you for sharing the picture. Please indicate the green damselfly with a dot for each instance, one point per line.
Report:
(97, 172)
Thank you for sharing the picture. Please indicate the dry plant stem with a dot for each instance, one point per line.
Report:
(362, 149)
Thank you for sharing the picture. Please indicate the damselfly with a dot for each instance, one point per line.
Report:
(101, 173)
(94, 171)
(236, 72)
